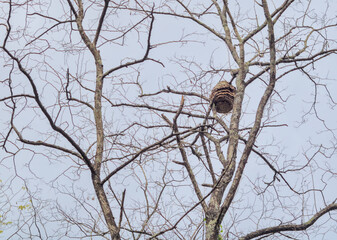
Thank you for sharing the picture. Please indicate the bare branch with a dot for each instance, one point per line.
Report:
(145, 57)
(100, 23)
(47, 115)
(291, 227)
(45, 144)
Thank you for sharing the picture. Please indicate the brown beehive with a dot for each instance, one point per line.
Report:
(222, 97)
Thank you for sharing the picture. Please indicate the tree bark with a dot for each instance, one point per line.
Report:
(105, 206)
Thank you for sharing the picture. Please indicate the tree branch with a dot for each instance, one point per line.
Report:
(41, 143)
(184, 155)
(145, 57)
(47, 115)
(100, 23)
(291, 227)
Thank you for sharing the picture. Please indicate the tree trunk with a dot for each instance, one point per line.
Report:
(212, 229)
(105, 206)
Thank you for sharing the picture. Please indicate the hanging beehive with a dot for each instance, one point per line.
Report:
(222, 97)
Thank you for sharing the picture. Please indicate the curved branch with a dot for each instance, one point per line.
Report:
(41, 143)
(291, 227)
(48, 116)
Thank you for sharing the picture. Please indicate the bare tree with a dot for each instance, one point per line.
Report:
(107, 119)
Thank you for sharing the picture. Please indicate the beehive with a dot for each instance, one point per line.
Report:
(222, 97)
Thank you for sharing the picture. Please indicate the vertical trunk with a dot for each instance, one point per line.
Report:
(99, 189)
(105, 206)
(213, 213)
(212, 229)
(96, 179)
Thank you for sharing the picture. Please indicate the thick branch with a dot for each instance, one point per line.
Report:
(291, 227)
(72, 8)
(100, 23)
